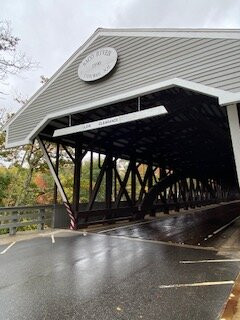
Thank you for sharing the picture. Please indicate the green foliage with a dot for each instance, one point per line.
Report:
(40, 188)
(5, 180)
(85, 183)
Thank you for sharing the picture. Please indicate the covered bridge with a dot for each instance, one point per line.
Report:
(165, 98)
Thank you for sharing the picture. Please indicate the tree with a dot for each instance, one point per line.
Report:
(5, 180)
(12, 61)
(28, 157)
(25, 158)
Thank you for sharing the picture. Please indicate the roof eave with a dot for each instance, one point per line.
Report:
(224, 98)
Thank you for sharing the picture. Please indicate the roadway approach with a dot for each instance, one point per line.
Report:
(168, 104)
(120, 273)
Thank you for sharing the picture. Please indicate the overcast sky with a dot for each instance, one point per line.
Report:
(51, 30)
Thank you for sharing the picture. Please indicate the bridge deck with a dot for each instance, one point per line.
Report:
(200, 227)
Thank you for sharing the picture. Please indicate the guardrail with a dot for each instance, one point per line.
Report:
(13, 217)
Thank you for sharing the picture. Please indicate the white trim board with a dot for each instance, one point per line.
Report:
(224, 98)
(107, 122)
(142, 32)
(175, 32)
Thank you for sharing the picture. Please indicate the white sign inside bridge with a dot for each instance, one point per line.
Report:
(133, 116)
(97, 64)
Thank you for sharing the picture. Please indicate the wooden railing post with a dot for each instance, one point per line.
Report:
(13, 229)
(41, 217)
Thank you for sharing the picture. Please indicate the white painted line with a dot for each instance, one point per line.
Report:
(197, 284)
(209, 261)
(225, 226)
(128, 226)
(53, 240)
(5, 250)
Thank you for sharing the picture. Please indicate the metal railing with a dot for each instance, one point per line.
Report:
(11, 218)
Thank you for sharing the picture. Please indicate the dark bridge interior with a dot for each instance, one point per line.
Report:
(192, 142)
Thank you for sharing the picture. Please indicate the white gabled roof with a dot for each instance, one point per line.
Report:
(224, 96)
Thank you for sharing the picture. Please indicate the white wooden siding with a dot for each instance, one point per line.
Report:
(142, 61)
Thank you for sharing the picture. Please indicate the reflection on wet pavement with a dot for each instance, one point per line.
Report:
(196, 228)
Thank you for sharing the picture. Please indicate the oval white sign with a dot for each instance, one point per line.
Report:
(97, 64)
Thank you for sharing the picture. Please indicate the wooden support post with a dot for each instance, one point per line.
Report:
(108, 186)
(233, 120)
(77, 179)
(175, 197)
(150, 177)
(201, 190)
(163, 174)
(115, 178)
(192, 199)
(184, 191)
(198, 192)
(133, 181)
(150, 184)
(90, 175)
(163, 195)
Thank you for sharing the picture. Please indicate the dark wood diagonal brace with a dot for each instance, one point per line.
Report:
(73, 224)
(97, 184)
(124, 190)
(123, 186)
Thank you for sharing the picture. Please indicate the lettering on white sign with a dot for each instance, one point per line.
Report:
(100, 123)
(124, 118)
(97, 64)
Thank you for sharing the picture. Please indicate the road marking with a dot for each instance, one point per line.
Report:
(197, 284)
(5, 250)
(225, 226)
(128, 226)
(53, 240)
(209, 261)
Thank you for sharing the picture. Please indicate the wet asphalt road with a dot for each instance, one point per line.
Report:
(103, 277)
(195, 228)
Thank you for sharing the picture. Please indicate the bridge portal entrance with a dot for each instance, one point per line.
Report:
(176, 159)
